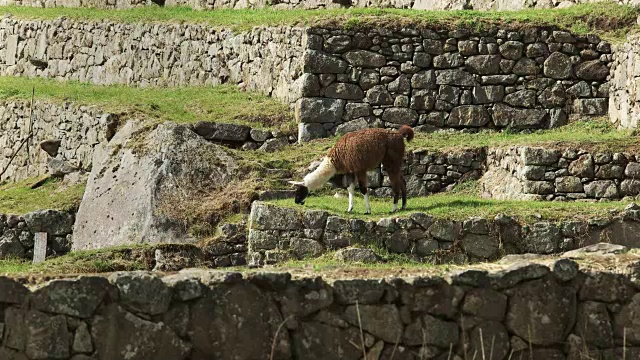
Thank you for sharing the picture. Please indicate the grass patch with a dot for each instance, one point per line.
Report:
(587, 134)
(19, 198)
(387, 261)
(221, 103)
(580, 18)
(460, 204)
(83, 262)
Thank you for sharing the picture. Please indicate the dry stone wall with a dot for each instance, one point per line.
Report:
(624, 107)
(77, 128)
(500, 5)
(537, 173)
(263, 59)
(277, 234)
(526, 79)
(17, 233)
(243, 136)
(528, 309)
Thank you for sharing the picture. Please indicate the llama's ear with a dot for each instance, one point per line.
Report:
(297, 183)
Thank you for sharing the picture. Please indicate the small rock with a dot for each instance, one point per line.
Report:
(356, 255)
(565, 269)
(273, 145)
(51, 147)
(596, 250)
(142, 292)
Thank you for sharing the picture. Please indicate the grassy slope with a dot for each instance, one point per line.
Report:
(581, 18)
(19, 198)
(461, 204)
(223, 103)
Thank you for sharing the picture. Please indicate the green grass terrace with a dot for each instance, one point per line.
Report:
(221, 103)
(462, 203)
(600, 17)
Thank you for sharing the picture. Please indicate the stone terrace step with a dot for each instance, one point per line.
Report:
(548, 173)
(277, 234)
(548, 310)
(338, 79)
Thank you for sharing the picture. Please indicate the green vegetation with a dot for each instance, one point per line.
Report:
(587, 134)
(222, 103)
(580, 18)
(388, 261)
(462, 203)
(93, 261)
(20, 198)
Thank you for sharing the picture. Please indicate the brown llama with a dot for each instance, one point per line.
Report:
(356, 153)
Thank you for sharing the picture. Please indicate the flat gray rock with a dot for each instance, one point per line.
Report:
(596, 250)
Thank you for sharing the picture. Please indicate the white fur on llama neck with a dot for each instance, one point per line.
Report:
(320, 175)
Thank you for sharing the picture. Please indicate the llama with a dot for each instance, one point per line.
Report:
(353, 155)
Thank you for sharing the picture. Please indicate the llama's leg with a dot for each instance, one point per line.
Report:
(396, 186)
(351, 188)
(404, 192)
(362, 184)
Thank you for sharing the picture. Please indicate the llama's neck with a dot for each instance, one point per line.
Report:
(320, 175)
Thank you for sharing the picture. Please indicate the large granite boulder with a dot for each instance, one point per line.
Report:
(138, 180)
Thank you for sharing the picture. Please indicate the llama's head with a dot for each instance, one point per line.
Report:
(301, 192)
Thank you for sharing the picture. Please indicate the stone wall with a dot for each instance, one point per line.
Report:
(16, 233)
(243, 136)
(317, 4)
(262, 59)
(624, 107)
(527, 79)
(537, 173)
(77, 128)
(524, 311)
(277, 234)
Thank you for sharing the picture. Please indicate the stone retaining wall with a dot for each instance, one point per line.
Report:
(430, 79)
(316, 4)
(243, 136)
(16, 233)
(77, 128)
(524, 311)
(537, 173)
(624, 107)
(277, 234)
(263, 59)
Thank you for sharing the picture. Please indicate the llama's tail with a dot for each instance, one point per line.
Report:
(406, 132)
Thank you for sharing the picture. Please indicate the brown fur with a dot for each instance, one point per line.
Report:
(360, 151)
(366, 149)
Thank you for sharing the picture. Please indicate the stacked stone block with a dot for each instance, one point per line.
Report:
(560, 174)
(624, 107)
(433, 79)
(78, 128)
(277, 234)
(17, 233)
(521, 311)
(153, 54)
(243, 136)
(428, 171)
